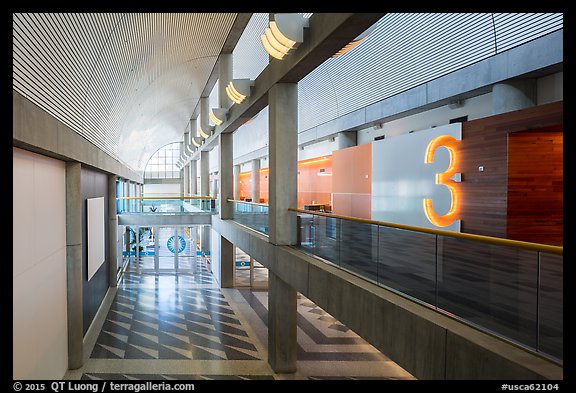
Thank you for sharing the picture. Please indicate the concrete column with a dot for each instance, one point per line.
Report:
(205, 114)
(513, 95)
(186, 169)
(204, 174)
(224, 77)
(283, 153)
(281, 325)
(205, 191)
(182, 179)
(193, 131)
(255, 180)
(236, 181)
(156, 248)
(346, 139)
(226, 278)
(283, 183)
(112, 230)
(186, 173)
(176, 247)
(74, 265)
(127, 240)
(214, 186)
(227, 191)
(193, 177)
(126, 202)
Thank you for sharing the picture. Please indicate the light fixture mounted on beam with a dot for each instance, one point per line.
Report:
(238, 89)
(202, 133)
(194, 142)
(351, 45)
(286, 32)
(218, 115)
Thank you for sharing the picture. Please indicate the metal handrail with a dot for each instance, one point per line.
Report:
(248, 203)
(467, 236)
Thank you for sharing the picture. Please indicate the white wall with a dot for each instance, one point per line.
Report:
(474, 108)
(161, 189)
(323, 148)
(40, 333)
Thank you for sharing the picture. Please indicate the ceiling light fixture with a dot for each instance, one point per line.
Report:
(351, 45)
(286, 32)
(189, 150)
(202, 133)
(218, 115)
(194, 142)
(238, 89)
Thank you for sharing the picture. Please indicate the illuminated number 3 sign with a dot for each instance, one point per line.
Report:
(444, 179)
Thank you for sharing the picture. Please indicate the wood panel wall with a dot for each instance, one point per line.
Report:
(485, 143)
(535, 186)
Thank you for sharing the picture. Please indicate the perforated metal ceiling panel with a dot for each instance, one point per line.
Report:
(126, 82)
(408, 49)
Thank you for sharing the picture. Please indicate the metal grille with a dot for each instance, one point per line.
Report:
(126, 82)
(406, 50)
(249, 56)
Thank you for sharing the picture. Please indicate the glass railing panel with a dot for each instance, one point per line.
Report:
(489, 285)
(326, 238)
(306, 232)
(550, 328)
(407, 262)
(251, 215)
(359, 248)
(167, 206)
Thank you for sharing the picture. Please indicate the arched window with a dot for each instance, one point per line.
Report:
(162, 165)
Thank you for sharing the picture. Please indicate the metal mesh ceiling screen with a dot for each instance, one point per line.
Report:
(126, 82)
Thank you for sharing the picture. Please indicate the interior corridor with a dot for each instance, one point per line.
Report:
(167, 326)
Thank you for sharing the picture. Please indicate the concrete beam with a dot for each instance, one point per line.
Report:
(328, 33)
(35, 130)
(428, 344)
(165, 219)
(234, 35)
(533, 59)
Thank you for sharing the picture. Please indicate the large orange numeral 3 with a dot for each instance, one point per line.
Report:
(443, 178)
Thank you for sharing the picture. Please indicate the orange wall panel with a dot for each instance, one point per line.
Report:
(264, 172)
(245, 185)
(312, 187)
(352, 181)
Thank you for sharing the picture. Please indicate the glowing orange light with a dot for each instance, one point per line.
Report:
(443, 178)
(314, 160)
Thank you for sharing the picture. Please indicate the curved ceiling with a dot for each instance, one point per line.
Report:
(126, 82)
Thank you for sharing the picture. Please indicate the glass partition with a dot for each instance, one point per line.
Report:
(168, 205)
(550, 302)
(489, 285)
(252, 215)
(507, 290)
(407, 262)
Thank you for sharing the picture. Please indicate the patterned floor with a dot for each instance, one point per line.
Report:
(166, 327)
